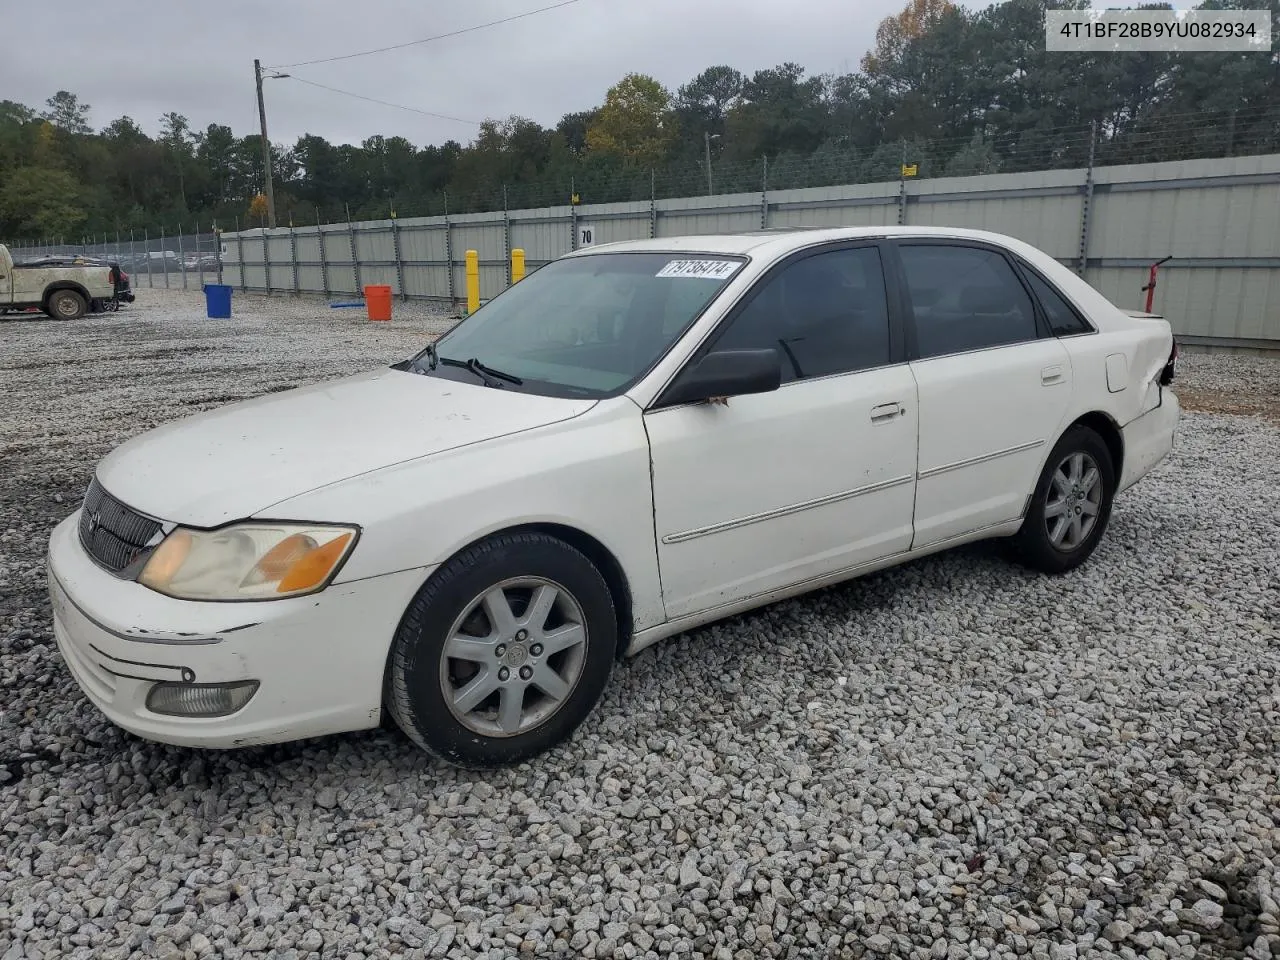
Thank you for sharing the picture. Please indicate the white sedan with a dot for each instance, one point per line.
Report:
(636, 439)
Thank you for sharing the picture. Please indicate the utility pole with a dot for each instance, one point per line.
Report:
(266, 145)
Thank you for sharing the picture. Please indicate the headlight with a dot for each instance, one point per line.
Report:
(249, 561)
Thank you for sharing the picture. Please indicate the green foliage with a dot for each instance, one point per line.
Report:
(636, 125)
(67, 113)
(956, 89)
(978, 156)
(42, 202)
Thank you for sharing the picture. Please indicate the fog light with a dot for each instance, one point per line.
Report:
(200, 699)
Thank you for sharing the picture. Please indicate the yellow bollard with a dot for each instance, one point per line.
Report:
(517, 265)
(473, 282)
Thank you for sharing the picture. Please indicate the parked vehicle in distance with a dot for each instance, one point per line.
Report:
(63, 290)
(638, 439)
(200, 264)
(155, 261)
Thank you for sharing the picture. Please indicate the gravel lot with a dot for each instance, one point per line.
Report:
(952, 759)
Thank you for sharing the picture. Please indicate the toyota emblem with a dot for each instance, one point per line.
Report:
(95, 520)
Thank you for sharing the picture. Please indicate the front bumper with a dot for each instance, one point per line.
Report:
(319, 658)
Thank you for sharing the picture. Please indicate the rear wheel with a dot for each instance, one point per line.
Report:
(503, 652)
(66, 305)
(1071, 505)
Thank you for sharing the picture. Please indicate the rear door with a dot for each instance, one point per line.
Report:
(778, 488)
(995, 386)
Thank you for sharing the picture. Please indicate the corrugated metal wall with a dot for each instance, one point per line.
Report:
(1219, 219)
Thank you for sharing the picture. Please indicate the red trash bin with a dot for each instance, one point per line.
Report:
(378, 302)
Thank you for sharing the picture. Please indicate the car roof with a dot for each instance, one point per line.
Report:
(780, 241)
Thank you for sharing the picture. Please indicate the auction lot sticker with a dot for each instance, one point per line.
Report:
(700, 269)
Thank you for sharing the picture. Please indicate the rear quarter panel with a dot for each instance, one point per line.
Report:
(1135, 351)
(1144, 343)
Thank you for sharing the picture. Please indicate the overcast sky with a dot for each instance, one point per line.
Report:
(145, 57)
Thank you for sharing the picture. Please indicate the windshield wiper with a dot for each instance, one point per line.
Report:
(486, 374)
(415, 363)
(475, 366)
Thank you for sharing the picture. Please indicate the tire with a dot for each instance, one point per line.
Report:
(503, 666)
(65, 305)
(1057, 534)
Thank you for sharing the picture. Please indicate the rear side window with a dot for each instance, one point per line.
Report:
(1063, 321)
(965, 298)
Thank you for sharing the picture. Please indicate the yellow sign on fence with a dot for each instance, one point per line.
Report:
(910, 171)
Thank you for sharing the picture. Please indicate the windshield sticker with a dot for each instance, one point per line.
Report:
(700, 269)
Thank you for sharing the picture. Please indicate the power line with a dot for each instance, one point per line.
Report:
(441, 36)
(385, 103)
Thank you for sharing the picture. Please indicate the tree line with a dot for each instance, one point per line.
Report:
(948, 90)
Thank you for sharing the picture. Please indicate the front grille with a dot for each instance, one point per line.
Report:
(113, 534)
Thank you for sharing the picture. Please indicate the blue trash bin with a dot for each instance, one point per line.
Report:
(217, 298)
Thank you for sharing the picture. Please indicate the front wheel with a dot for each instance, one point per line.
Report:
(503, 652)
(1071, 505)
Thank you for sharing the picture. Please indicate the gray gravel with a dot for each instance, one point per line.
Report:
(953, 759)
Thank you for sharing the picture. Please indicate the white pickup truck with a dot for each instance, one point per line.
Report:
(64, 292)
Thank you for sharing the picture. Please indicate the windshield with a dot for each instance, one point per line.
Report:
(586, 326)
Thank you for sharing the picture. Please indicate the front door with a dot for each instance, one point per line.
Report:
(775, 489)
(994, 387)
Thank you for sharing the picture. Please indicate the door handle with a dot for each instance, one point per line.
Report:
(1052, 374)
(886, 412)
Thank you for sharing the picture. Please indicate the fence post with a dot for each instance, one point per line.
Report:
(395, 246)
(351, 242)
(448, 252)
(1086, 206)
(163, 259)
(573, 213)
(653, 203)
(199, 256)
(293, 254)
(324, 259)
(764, 196)
(506, 234)
(182, 258)
(146, 251)
(266, 260)
(244, 283)
(902, 186)
(217, 248)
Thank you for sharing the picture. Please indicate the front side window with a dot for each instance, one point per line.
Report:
(965, 298)
(586, 326)
(824, 314)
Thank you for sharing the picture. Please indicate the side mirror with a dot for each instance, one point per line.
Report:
(727, 373)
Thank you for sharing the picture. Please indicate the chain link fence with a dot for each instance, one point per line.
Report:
(180, 260)
(189, 256)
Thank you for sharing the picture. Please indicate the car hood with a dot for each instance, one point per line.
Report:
(239, 460)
